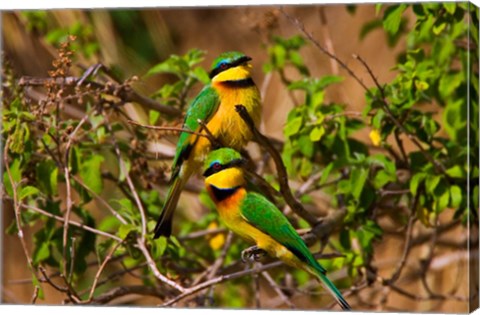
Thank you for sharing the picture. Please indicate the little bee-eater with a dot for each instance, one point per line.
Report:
(231, 84)
(256, 219)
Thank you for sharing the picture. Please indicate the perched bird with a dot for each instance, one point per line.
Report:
(256, 219)
(231, 84)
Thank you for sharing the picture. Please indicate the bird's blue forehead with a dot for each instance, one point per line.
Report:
(214, 162)
(227, 57)
(222, 156)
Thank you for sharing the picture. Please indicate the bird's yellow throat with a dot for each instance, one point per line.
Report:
(226, 179)
(234, 74)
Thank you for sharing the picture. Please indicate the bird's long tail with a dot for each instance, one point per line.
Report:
(331, 288)
(164, 223)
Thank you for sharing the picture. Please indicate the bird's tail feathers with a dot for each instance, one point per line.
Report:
(331, 288)
(164, 223)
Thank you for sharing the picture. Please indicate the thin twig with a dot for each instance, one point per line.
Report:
(47, 279)
(74, 223)
(168, 128)
(328, 39)
(153, 267)
(301, 27)
(16, 207)
(100, 269)
(133, 190)
(221, 259)
(36, 291)
(407, 247)
(201, 233)
(277, 290)
(296, 206)
(127, 94)
(96, 196)
(117, 292)
(69, 201)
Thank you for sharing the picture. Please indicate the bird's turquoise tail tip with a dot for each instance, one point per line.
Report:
(334, 291)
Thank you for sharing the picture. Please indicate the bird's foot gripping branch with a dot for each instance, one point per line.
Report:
(252, 254)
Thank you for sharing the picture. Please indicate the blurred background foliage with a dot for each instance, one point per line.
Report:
(377, 144)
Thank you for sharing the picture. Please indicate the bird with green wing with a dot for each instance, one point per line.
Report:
(212, 113)
(254, 218)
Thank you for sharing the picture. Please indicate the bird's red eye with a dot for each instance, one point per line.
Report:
(217, 166)
(223, 65)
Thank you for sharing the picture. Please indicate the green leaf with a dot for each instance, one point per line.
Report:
(475, 198)
(455, 120)
(91, 174)
(75, 160)
(125, 229)
(442, 201)
(47, 177)
(306, 146)
(382, 178)
(159, 247)
(326, 171)
(173, 65)
(293, 126)
(431, 182)
(456, 171)
(415, 181)
(124, 170)
(126, 208)
(317, 133)
(358, 179)
(328, 80)
(306, 168)
(279, 55)
(153, 116)
(455, 196)
(369, 27)
(437, 29)
(449, 83)
(41, 253)
(385, 162)
(344, 238)
(317, 98)
(16, 176)
(450, 7)
(351, 8)
(367, 233)
(201, 75)
(393, 17)
(28, 191)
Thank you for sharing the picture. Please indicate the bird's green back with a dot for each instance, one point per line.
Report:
(202, 108)
(265, 216)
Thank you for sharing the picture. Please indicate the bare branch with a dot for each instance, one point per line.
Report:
(277, 290)
(301, 27)
(74, 223)
(296, 206)
(126, 93)
(100, 269)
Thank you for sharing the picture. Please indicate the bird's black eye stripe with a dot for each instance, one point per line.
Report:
(215, 168)
(224, 66)
(240, 61)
